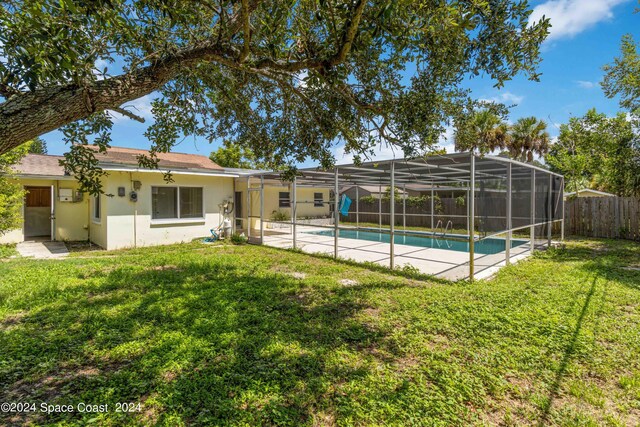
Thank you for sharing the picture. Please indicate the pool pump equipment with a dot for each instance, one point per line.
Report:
(224, 229)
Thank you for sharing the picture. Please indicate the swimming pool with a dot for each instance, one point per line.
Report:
(485, 247)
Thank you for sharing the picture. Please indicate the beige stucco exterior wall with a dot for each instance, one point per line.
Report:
(306, 208)
(304, 197)
(71, 218)
(123, 219)
(98, 228)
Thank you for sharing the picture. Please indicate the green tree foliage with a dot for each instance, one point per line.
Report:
(11, 192)
(231, 155)
(484, 131)
(528, 136)
(622, 77)
(37, 146)
(599, 152)
(411, 201)
(287, 80)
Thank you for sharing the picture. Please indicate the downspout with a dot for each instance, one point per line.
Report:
(89, 220)
(54, 211)
(135, 215)
(235, 208)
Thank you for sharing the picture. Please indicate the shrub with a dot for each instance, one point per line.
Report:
(280, 216)
(368, 199)
(238, 239)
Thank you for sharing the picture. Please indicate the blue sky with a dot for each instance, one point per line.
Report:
(585, 35)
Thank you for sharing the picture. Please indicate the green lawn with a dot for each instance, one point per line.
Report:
(7, 251)
(247, 335)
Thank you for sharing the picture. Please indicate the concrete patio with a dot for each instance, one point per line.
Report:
(42, 249)
(441, 263)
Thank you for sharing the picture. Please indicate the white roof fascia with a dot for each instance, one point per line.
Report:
(173, 172)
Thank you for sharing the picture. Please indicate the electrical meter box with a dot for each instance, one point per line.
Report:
(65, 194)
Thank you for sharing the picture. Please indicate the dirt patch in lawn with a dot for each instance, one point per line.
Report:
(164, 268)
(12, 320)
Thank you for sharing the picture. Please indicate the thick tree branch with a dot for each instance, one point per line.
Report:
(30, 114)
(246, 30)
(27, 115)
(7, 91)
(128, 114)
(349, 34)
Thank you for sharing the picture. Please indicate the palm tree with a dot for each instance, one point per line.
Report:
(484, 132)
(528, 136)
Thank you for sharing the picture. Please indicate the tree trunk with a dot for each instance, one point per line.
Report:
(26, 116)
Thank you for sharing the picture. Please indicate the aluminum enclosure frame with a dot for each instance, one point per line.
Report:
(532, 197)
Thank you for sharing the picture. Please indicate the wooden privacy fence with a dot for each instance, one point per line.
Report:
(609, 217)
(416, 216)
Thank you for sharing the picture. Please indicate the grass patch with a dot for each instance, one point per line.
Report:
(8, 250)
(245, 335)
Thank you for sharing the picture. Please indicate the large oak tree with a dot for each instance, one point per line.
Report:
(285, 79)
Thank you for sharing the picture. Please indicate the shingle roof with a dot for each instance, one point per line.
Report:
(128, 156)
(40, 164)
(48, 165)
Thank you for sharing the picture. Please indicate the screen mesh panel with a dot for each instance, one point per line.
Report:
(491, 196)
(521, 180)
(448, 178)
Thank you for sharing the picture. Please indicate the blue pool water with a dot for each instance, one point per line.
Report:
(485, 246)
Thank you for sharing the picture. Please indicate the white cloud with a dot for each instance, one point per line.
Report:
(98, 68)
(571, 17)
(446, 140)
(140, 107)
(300, 78)
(586, 84)
(381, 152)
(505, 98)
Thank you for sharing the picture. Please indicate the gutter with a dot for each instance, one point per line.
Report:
(173, 172)
(52, 177)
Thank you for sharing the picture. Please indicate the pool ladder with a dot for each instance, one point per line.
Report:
(444, 231)
(449, 223)
(438, 224)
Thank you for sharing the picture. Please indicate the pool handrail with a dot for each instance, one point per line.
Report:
(438, 224)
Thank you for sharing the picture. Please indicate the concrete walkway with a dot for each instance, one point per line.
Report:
(42, 249)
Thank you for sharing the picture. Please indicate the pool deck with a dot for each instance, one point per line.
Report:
(442, 263)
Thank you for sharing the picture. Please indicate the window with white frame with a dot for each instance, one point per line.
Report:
(190, 202)
(284, 200)
(318, 200)
(177, 202)
(96, 208)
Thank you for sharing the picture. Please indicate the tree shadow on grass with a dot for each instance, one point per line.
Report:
(608, 259)
(567, 357)
(204, 343)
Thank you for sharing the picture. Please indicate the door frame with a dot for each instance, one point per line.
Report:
(52, 217)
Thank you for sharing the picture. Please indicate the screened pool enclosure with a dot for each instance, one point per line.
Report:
(455, 216)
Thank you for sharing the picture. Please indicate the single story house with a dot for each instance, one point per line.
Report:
(374, 191)
(587, 192)
(138, 207)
